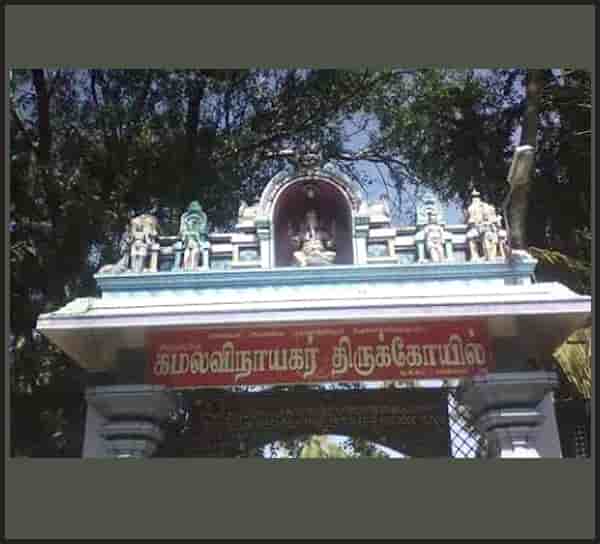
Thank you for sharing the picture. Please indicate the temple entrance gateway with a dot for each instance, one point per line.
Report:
(316, 286)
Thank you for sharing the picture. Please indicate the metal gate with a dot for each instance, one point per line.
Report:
(574, 427)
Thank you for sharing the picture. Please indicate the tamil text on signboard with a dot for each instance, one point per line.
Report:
(290, 354)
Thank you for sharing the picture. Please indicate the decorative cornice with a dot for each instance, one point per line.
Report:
(325, 274)
(499, 390)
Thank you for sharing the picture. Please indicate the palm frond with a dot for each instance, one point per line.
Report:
(575, 359)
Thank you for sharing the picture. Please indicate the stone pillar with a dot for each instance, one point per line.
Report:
(205, 256)
(154, 252)
(361, 233)
(548, 443)
(93, 443)
(449, 249)
(178, 252)
(507, 409)
(266, 247)
(126, 420)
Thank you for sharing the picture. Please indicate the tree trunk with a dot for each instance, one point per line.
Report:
(43, 110)
(520, 196)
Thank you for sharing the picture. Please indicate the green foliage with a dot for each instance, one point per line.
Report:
(320, 447)
(575, 358)
(553, 265)
(360, 448)
(450, 128)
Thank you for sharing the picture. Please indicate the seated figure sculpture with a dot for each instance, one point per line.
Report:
(315, 246)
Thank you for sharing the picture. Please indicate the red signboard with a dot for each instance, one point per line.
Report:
(289, 354)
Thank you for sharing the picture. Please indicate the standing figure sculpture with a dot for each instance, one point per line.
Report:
(193, 234)
(474, 220)
(433, 241)
(434, 238)
(144, 241)
(485, 230)
(314, 245)
(494, 242)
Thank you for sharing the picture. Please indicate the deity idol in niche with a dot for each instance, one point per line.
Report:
(314, 245)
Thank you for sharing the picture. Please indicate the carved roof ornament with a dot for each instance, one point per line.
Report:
(247, 213)
(307, 161)
(378, 211)
(307, 158)
(429, 205)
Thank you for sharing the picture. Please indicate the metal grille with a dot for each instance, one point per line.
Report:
(582, 448)
(465, 441)
(574, 427)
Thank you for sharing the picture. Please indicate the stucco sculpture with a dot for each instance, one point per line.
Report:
(315, 245)
(144, 243)
(193, 234)
(435, 236)
(484, 231)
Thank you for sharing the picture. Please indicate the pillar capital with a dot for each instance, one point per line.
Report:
(130, 419)
(506, 390)
(132, 401)
(506, 408)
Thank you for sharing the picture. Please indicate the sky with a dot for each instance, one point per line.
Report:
(358, 139)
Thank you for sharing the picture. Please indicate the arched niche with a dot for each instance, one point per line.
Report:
(330, 202)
